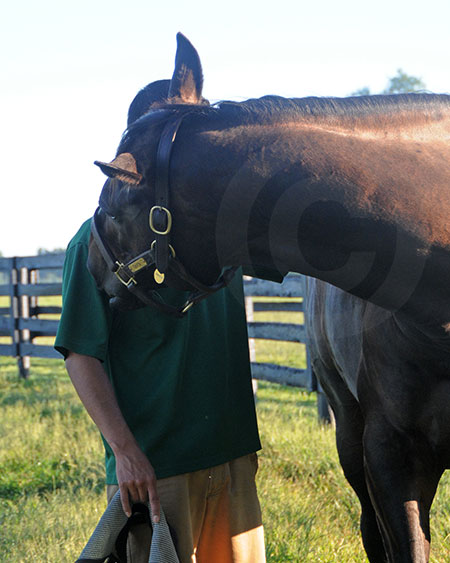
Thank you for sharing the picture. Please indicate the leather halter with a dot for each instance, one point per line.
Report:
(161, 254)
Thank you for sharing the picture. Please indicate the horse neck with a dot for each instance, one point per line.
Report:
(345, 207)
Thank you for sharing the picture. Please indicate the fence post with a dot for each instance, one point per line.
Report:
(251, 341)
(24, 313)
(15, 314)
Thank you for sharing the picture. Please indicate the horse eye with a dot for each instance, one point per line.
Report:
(111, 215)
(116, 218)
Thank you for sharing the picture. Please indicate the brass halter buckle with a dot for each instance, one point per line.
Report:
(120, 271)
(152, 223)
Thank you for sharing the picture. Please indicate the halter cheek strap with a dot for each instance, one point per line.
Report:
(160, 218)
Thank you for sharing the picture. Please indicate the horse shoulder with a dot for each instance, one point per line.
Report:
(335, 321)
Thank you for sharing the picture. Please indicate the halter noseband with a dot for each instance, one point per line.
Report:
(161, 254)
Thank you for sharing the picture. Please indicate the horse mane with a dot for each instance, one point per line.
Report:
(355, 110)
(366, 112)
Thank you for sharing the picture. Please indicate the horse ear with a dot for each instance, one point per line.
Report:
(122, 167)
(187, 80)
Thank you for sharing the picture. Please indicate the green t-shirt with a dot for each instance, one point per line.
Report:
(183, 385)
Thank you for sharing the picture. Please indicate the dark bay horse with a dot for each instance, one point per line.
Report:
(389, 389)
(354, 192)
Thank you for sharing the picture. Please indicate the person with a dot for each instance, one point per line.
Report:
(173, 401)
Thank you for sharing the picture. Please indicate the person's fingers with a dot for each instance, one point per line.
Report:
(155, 505)
(125, 499)
(142, 488)
(129, 495)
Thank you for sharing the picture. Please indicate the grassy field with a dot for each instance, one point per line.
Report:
(51, 476)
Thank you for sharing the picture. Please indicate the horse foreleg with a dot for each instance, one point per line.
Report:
(402, 485)
(349, 441)
(349, 433)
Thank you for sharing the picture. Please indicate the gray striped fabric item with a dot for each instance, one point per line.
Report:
(101, 543)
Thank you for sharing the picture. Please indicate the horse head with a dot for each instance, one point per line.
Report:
(133, 227)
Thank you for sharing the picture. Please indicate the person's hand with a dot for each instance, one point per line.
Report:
(137, 481)
(136, 477)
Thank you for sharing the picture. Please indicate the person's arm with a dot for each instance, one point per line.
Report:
(135, 473)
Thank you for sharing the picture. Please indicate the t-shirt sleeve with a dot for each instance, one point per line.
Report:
(86, 317)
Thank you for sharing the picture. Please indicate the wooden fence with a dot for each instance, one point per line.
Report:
(29, 320)
(284, 297)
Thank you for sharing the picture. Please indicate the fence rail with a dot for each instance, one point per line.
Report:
(28, 324)
(25, 283)
(291, 290)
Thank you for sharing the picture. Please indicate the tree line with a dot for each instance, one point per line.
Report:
(401, 83)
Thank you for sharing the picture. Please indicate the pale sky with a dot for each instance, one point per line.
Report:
(70, 70)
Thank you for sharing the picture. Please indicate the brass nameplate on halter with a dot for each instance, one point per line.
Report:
(137, 265)
(159, 276)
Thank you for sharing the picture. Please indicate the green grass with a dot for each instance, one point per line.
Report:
(310, 512)
(52, 476)
(51, 466)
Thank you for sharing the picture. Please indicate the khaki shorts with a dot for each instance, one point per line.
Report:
(214, 515)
